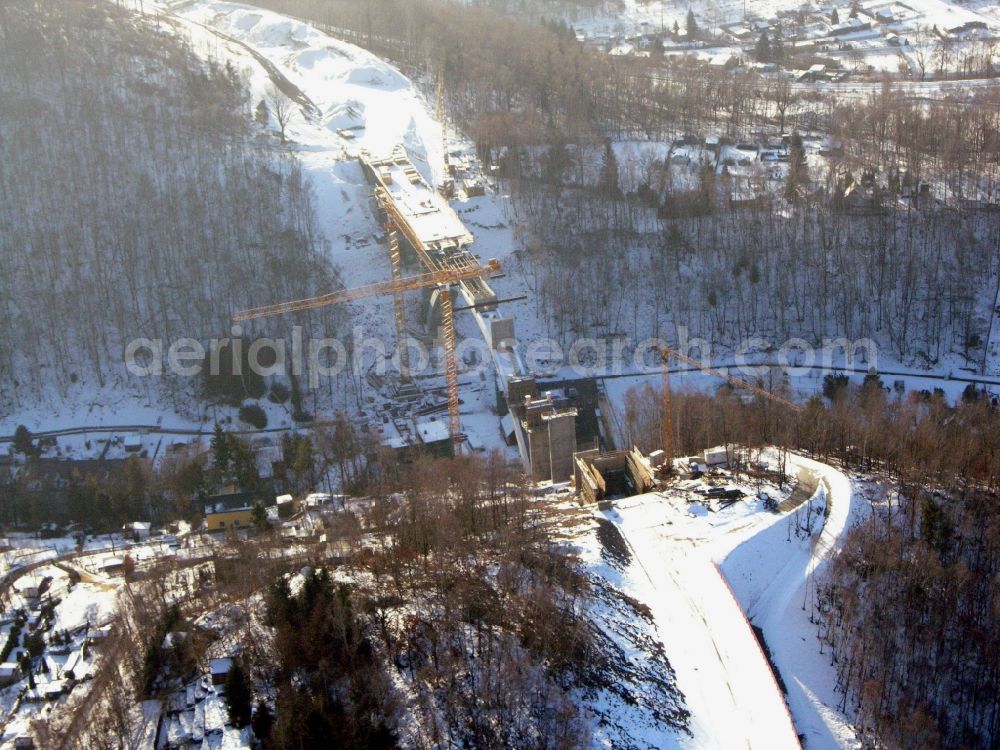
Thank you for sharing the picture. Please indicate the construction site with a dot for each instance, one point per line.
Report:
(423, 230)
(483, 447)
(560, 435)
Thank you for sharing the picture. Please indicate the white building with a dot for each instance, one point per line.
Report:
(139, 530)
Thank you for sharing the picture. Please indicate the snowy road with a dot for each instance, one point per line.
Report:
(702, 583)
(728, 686)
(779, 612)
(731, 693)
(915, 379)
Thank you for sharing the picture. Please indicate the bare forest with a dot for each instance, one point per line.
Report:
(794, 264)
(136, 197)
(465, 624)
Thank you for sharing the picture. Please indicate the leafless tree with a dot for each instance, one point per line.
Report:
(281, 107)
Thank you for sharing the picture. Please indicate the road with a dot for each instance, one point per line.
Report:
(924, 89)
(279, 79)
(804, 489)
(785, 622)
(728, 367)
(156, 429)
(728, 685)
(705, 585)
(959, 91)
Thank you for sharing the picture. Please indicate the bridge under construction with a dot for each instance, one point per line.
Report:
(430, 226)
(544, 430)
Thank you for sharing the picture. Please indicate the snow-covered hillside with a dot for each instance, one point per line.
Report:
(348, 102)
(333, 87)
(139, 203)
(337, 101)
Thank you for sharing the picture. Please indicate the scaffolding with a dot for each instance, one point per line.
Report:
(430, 226)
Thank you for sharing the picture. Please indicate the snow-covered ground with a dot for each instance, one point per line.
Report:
(727, 684)
(77, 608)
(347, 91)
(781, 605)
(342, 87)
(707, 575)
(341, 101)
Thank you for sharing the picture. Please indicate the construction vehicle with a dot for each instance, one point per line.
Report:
(442, 278)
(668, 424)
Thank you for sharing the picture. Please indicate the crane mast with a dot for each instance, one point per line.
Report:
(441, 278)
(448, 186)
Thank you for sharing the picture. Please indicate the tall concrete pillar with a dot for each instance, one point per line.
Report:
(538, 452)
(562, 444)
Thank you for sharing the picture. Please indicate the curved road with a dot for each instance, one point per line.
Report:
(791, 637)
(728, 686)
(730, 689)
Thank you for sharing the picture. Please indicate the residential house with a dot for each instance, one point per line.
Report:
(10, 672)
(113, 566)
(137, 530)
(815, 73)
(233, 509)
(286, 506)
(219, 669)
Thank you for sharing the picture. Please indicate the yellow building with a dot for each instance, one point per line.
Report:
(231, 510)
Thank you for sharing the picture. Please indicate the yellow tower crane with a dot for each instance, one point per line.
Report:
(668, 425)
(442, 278)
